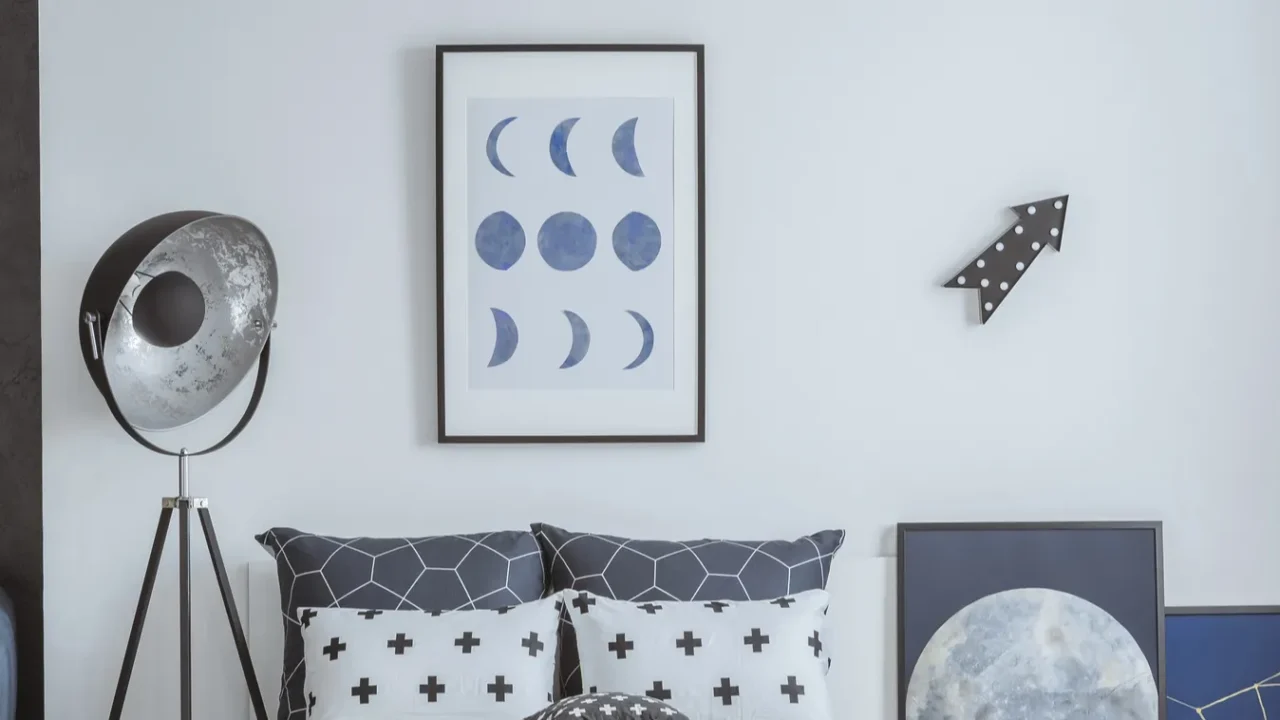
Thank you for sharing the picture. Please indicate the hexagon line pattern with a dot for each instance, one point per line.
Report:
(446, 572)
(683, 571)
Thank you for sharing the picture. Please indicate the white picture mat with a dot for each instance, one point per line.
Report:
(469, 75)
(601, 292)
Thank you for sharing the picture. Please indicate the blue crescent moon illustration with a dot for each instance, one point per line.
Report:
(491, 147)
(560, 146)
(624, 148)
(646, 346)
(581, 340)
(508, 337)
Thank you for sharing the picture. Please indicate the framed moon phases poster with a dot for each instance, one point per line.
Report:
(1053, 621)
(570, 262)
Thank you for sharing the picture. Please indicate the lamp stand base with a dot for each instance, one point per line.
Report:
(184, 505)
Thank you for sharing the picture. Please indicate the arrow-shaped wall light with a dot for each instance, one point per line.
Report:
(998, 268)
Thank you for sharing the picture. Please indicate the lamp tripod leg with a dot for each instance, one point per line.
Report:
(233, 617)
(140, 616)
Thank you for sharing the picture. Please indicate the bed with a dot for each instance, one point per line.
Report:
(862, 680)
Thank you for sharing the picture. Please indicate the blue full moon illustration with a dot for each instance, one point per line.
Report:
(560, 146)
(637, 240)
(581, 340)
(1032, 653)
(624, 148)
(567, 241)
(491, 146)
(646, 341)
(500, 240)
(506, 338)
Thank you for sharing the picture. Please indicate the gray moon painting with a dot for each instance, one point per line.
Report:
(567, 241)
(624, 148)
(1032, 653)
(491, 147)
(581, 340)
(646, 341)
(560, 146)
(506, 338)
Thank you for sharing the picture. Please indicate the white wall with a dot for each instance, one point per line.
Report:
(858, 152)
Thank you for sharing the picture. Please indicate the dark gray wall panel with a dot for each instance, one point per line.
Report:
(21, 552)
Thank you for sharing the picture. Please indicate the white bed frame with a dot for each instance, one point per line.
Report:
(862, 635)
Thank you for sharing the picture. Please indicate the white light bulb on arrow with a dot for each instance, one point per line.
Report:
(1004, 261)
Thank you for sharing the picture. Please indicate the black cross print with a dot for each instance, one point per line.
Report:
(432, 689)
(364, 691)
(621, 645)
(533, 644)
(499, 688)
(658, 692)
(783, 602)
(369, 614)
(504, 609)
(435, 613)
(650, 608)
(333, 648)
(716, 606)
(815, 643)
(400, 643)
(466, 642)
(306, 617)
(756, 640)
(559, 605)
(311, 703)
(583, 601)
(688, 643)
(725, 691)
(792, 689)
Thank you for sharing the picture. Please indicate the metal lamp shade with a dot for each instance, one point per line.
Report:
(171, 358)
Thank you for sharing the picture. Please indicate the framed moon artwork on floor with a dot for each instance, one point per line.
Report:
(1224, 662)
(570, 243)
(1008, 621)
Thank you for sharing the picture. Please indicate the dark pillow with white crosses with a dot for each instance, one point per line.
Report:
(712, 660)
(446, 572)
(606, 706)
(628, 569)
(496, 664)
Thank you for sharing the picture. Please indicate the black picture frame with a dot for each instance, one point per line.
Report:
(698, 50)
(1175, 613)
(905, 529)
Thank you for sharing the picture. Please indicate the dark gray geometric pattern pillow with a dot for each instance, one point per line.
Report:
(446, 572)
(605, 706)
(640, 570)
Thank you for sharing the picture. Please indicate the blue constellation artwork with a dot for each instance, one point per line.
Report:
(624, 148)
(637, 240)
(1223, 663)
(646, 343)
(581, 340)
(491, 146)
(560, 146)
(567, 241)
(506, 339)
(500, 240)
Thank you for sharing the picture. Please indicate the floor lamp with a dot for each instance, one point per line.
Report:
(174, 315)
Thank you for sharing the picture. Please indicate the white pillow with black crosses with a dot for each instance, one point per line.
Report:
(496, 664)
(609, 706)
(709, 660)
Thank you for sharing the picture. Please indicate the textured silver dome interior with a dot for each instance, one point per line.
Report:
(161, 388)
